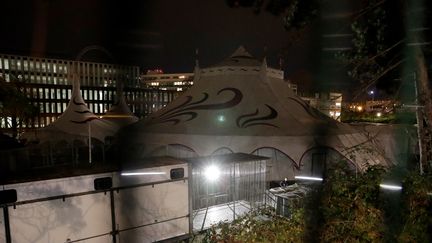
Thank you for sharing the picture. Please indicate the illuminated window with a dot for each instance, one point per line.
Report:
(338, 113)
(6, 64)
(182, 76)
(179, 89)
(338, 104)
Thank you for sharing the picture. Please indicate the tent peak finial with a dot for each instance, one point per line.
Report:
(241, 52)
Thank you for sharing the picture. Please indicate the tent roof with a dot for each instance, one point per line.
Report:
(241, 100)
(75, 122)
(120, 114)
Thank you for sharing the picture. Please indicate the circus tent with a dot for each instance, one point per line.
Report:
(76, 122)
(242, 105)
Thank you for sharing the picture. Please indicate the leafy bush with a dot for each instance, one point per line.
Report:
(349, 208)
(262, 225)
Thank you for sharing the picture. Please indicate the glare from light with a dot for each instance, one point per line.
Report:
(143, 173)
(309, 178)
(212, 173)
(378, 114)
(371, 92)
(359, 108)
(391, 187)
(221, 118)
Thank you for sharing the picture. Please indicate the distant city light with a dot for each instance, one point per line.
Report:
(182, 76)
(391, 187)
(143, 173)
(212, 173)
(309, 178)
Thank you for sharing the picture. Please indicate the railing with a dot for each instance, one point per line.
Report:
(45, 161)
(115, 231)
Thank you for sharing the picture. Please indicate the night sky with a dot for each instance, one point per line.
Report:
(151, 34)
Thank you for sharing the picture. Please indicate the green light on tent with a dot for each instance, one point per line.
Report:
(221, 118)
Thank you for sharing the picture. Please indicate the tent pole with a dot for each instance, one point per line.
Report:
(89, 143)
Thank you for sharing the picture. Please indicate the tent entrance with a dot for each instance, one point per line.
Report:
(226, 186)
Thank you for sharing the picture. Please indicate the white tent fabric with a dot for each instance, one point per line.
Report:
(120, 115)
(242, 105)
(76, 122)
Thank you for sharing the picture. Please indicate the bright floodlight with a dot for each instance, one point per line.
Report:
(212, 173)
(309, 178)
(391, 187)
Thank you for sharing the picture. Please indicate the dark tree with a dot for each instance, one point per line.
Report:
(15, 105)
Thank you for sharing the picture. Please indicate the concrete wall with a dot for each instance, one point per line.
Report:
(144, 212)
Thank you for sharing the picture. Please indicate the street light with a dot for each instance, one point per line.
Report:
(372, 93)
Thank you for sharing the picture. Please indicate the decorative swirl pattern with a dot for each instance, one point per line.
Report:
(188, 108)
(253, 121)
(77, 103)
(85, 111)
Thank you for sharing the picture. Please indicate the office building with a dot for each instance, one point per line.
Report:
(47, 83)
(156, 79)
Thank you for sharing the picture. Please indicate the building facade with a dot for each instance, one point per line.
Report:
(156, 79)
(329, 104)
(47, 83)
